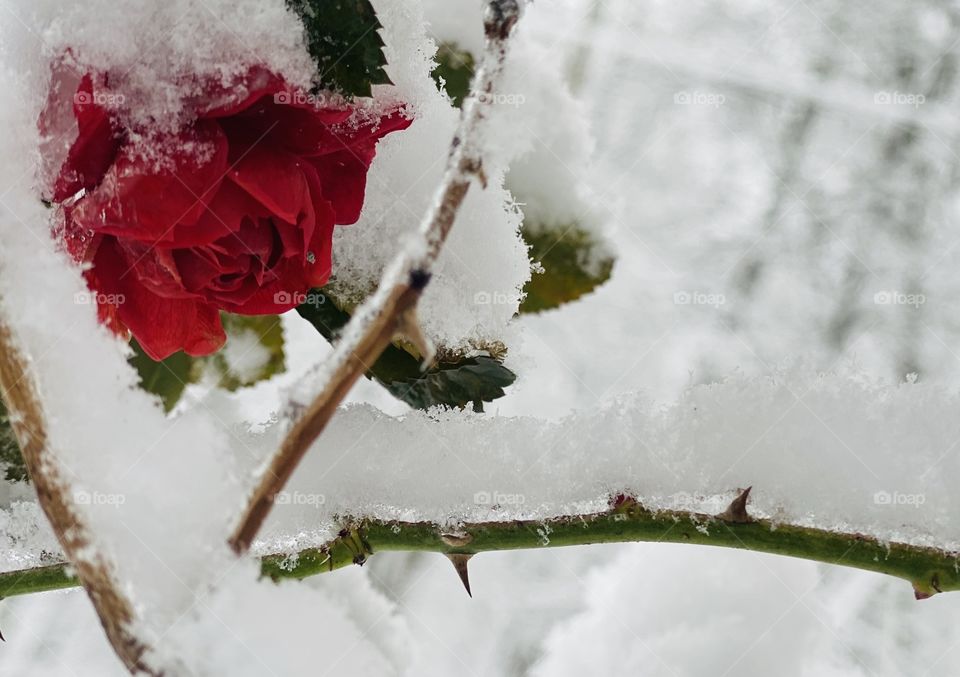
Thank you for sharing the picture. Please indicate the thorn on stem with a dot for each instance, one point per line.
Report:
(459, 562)
(408, 326)
(456, 540)
(927, 589)
(737, 511)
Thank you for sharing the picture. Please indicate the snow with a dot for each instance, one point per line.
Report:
(245, 355)
(158, 55)
(484, 255)
(627, 390)
(835, 450)
(26, 539)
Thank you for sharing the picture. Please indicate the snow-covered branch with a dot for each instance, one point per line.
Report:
(391, 311)
(929, 570)
(54, 494)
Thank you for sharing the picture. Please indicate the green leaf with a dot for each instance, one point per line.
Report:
(14, 469)
(343, 39)
(254, 351)
(166, 379)
(454, 71)
(574, 263)
(453, 383)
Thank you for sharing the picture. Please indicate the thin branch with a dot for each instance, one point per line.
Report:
(391, 311)
(18, 388)
(928, 570)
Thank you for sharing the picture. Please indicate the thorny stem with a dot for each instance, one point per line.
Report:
(929, 570)
(391, 310)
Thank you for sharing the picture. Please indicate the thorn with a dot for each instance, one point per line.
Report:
(926, 590)
(2, 637)
(457, 540)
(737, 511)
(408, 326)
(460, 564)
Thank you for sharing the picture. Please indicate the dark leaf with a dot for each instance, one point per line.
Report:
(456, 383)
(10, 459)
(343, 39)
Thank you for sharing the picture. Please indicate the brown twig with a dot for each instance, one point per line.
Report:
(391, 311)
(27, 418)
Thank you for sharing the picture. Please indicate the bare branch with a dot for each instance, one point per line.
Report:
(391, 310)
(27, 418)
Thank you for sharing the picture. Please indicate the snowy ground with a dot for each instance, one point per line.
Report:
(730, 138)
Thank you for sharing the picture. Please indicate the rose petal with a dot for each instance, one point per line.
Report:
(273, 298)
(300, 129)
(219, 100)
(140, 200)
(94, 149)
(224, 215)
(275, 179)
(162, 326)
(343, 174)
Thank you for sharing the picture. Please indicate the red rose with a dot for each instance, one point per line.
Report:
(234, 211)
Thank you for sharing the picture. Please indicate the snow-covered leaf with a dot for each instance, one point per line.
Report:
(453, 382)
(454, 71)
(253, 353)
(573, 263)
(166, 379)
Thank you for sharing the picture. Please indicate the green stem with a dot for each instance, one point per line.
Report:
(929, 570)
